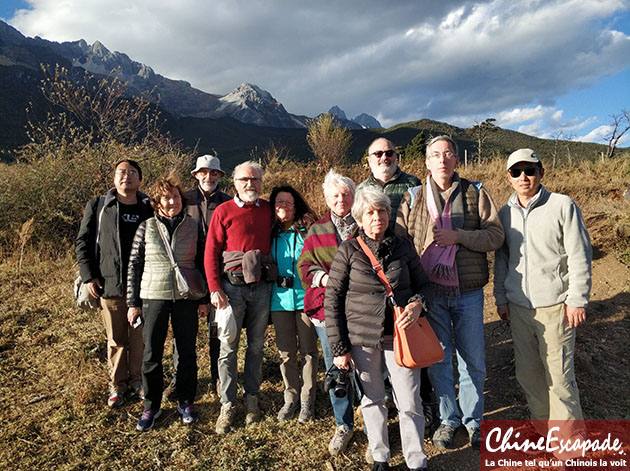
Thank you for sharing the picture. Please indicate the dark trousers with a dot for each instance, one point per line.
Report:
(184, 320)
(214, 345)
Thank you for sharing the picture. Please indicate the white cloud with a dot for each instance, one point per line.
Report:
(599, 135)
(394, 60)
(596, 135)
(519, 115)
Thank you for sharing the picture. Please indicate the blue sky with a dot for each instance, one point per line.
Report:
(537, 66)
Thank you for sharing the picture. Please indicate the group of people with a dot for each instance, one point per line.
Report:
(315, 279)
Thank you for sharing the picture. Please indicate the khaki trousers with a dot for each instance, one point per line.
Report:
(544, 349)
(294, 331)
(124, 346)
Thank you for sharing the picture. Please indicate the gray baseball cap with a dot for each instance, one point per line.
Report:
(208, 161)
(522, 155)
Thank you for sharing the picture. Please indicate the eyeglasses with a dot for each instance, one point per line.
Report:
(446, 154)
(379, 153)
(123, 173)
(529, 171)
(247, 179)
(284, 203)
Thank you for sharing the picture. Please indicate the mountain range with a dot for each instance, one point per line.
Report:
(247, 103)
(235, 125)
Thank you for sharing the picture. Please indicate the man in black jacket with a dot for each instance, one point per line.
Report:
(201, 203)
(103, 246)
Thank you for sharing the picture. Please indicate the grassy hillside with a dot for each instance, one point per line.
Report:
(235, 141)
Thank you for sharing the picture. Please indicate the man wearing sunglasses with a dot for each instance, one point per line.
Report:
(386, 175)
(542, 284)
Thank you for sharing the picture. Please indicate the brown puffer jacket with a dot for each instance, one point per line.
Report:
(355, 300)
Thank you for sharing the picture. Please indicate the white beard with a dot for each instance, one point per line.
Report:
(249, 196)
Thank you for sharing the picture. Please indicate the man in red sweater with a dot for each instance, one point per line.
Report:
(238, 249)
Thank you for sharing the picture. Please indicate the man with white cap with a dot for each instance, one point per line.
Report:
(542, 285)
(201, 203)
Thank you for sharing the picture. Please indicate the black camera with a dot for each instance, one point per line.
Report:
(284, 282)
(337, 380)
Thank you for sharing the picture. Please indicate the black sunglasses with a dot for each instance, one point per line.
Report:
(529, 171)
(379, 153)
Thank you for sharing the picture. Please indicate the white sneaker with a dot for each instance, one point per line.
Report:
(339, 441)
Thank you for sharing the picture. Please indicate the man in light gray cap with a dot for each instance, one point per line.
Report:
(202, 201)
(542, 284)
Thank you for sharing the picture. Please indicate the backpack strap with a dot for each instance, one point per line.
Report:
(100, 207)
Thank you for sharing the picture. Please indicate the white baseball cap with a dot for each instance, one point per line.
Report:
(208, 161)
(522, 155)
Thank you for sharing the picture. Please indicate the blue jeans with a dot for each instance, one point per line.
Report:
(461, 317)
(342, 406)
(250, 305)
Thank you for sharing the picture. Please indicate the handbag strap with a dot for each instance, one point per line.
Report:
(378, 269)
(169, 249)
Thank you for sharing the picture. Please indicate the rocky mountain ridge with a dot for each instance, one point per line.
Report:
(247, 103)
(362, 121)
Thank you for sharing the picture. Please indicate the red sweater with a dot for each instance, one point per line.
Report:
(234, 228)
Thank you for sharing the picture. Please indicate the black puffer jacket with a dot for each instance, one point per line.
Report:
(355, 302)
(105, 263)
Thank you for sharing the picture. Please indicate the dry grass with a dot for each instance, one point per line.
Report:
(53, 366)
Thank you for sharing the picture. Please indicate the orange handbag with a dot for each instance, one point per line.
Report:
(416, 346)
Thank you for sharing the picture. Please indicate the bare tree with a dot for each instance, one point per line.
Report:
(620, 125)
(328, 141)
(568, 140)
(481, 132)
(102, 108)
(556, 136)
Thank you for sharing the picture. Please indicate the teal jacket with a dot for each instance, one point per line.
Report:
(286, 248)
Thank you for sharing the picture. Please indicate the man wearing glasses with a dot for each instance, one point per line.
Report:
(542, 284)
(202, 201)
(386, 175)
(453, 223)
(103, 247)
(239, 268)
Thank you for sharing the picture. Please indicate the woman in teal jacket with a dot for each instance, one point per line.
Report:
(294, 330)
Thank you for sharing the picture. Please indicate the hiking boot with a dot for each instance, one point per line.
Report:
(170, 393)
(287, 412)
(307, 412)
(475, 437)
(224, 421)
(136, 393)
(369, 459)
(252, 412)
(187, 411)
(429, 418)
(380, 466)
(147, 420)
(443, 436)
(115, 399)
(339, 441)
